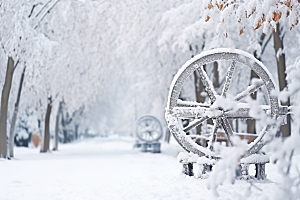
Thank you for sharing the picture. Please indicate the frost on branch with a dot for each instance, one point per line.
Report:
(265, 12)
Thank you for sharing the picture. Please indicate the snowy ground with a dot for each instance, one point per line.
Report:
(110, 168)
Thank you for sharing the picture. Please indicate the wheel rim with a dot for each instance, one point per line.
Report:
(148, 129)
(196, 64)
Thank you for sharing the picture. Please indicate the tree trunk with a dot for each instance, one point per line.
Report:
(4, 105)
(14, 118)
(251, 123)
(76, 131)
(167, 136)
(41, 130)
(65, 121)
(57, 127)
(65, 133)
(47, 127)
(216, 83)
(281, 67)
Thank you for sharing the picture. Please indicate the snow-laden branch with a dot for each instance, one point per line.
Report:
(265, 12)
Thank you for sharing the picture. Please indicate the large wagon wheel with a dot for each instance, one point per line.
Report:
(200, 112)
(148, 129)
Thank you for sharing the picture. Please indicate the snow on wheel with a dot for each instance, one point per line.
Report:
(149, 129)
(215, 109)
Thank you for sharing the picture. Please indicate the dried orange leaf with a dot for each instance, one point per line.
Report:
(248, 14)
(259, 24)
(207, 18)
(293, 25)
(209, 6)
(219, 6)
(276, 16)
(288, 3)
(241, 31)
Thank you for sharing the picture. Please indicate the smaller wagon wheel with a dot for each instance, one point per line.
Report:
(201, 112)
(149, 129)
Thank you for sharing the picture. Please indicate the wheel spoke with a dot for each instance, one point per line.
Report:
(213, 137)
(250, 89)
(243, 111)
(194, 137)
(154, 133)
(150, 136)
(146, 135)
(196, 113)
(240, 113)
(194, 124)
(227, 128)
(151, 125)
(207, 84)
(181, 103)
(228, 78)
(143, 134)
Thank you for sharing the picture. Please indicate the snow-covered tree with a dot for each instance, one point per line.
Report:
(21, 44)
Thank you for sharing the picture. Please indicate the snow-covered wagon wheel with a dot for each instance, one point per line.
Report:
(149, 129)
(201, 112)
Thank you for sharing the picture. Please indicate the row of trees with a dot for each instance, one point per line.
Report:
(46, 63)
(66, 127)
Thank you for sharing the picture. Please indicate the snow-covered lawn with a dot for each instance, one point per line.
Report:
(110, 168)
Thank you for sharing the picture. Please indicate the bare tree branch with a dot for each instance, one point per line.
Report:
(45, 13)
(32, 9)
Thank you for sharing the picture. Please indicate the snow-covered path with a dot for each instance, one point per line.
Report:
(110, 168)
